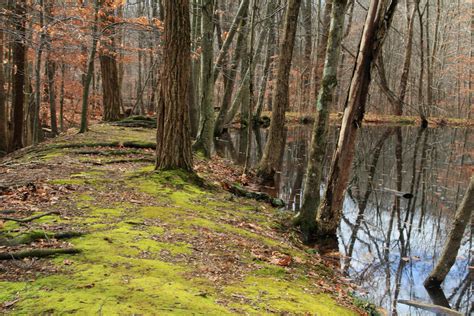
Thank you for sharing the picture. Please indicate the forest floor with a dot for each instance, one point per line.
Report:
(148, 243)
(371, 118)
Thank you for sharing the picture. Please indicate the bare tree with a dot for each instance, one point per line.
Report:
(276, 141)
(206, 130)
(307, 215)
(377, 23)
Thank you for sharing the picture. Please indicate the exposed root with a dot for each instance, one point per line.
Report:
(33, 236)
(28, 219)
(37, 253)
(259, 196)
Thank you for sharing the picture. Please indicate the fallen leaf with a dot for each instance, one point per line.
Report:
(67, 262)
(283, 262)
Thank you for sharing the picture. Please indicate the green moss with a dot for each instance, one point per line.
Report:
(123, 266)
(269, 270)
(51, 155)
(266, 295)
(106, 212)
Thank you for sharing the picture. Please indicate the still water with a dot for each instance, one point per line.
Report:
(387, 250)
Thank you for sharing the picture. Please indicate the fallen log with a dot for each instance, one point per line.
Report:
(37, 253)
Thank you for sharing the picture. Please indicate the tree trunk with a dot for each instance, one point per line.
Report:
(377, 23)
(195, 36)
(231, 74)
(89, 71)
(61, 98)
(18, 78)
(276, 142)
(251, 94)
(50, 72)
(308, 45)
(3, 104)
(406, 62)
(306, 218)
(241, 13)
(173, 150)
(206, 129)
(268, 59)
(321, 51)
(451, 248)
(111, 91)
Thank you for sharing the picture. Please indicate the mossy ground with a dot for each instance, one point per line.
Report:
(158, 243)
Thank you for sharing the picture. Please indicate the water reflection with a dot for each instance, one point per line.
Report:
(389, 243)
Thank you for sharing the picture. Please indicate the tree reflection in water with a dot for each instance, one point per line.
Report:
(388, 243)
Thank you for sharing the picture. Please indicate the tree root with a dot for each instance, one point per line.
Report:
(132, 160)
(28, 219)
(107, 152)
(87, 144)
(259, 196)
(139, 145)
(37, 235)
(137, 121)
(37, 253)
(129, 144)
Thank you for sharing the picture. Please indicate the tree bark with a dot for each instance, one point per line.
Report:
(3, 104)
(89, 71)
(206, 129)
(321, 50)
(378, 20)
(111, 89)
(308, 45)
(276, 142)
(51, 71)
(306, 218)
(231, 74)
(271, 40)
(406, 61)
(451, 248)
(18, 80)
(173, 150)
(195, 36)
(241, 13)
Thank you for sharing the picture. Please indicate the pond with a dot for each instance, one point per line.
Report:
(387, 250)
